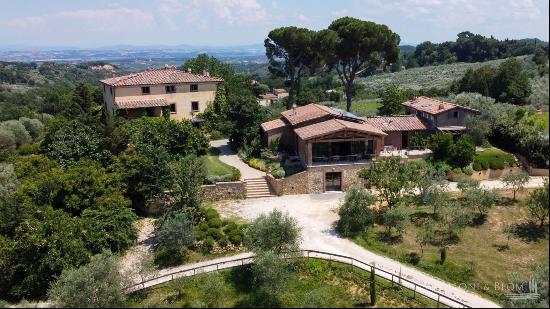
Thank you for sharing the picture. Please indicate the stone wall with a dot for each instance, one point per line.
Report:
(312, 180)
(225, 191)
(494, 174)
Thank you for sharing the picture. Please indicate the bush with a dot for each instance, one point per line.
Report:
(208, 244)
(462, 152)
(29, 149)
(33, 126)
(230, 227)
(440, 144)
(278, 173)
(493, 158)
(166, 257)
(236, 237)
(356, 215)
(95, 285)
(7, 139)
(468, 170)
(211, 213)
(215, 233)
(223, 241)
(235, 174)
(19, 131)
(174, 231)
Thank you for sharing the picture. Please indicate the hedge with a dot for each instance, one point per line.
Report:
(493, 158)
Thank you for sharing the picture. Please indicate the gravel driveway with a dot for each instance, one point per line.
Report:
(316, 216)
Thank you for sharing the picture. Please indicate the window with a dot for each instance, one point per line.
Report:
(170, 89)
(195, 106)
(172, 108)
(145, 90)
(455, 114)
(111, 90)
(194, 87)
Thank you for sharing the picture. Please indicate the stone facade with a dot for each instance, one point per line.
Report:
(225, 191)
(312, 180)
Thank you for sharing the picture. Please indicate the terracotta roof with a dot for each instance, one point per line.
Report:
(279, 90)
(139, 103)
(308, 112)
(273, 124)
(159, 76)
(433, 106)
(332, 126)
(397, 123)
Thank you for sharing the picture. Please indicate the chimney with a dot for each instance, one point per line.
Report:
(294, 109)
(189, 70)
(441, 106)
(206, 73)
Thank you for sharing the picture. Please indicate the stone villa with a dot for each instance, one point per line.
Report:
(149, 92)
(333, 145)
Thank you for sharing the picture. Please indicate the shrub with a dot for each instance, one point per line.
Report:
(95, 285)
(463, 151)
(235, 174)
(34, 126)
(208, 244)
(236, 237)
(174, 231)
(215, 233)
(211, 213)
(468, 170)
(493, 158)
(7, 139)
(19, 131)
(29, 149)
(230, 227)
(278, 173)
(166, 257)
(356, 215)
(223, 241)
(440, 144)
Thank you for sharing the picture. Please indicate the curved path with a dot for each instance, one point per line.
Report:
(229, 157)
(316, 214)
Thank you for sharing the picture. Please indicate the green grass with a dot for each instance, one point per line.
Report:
(493, 158)
(315, 283)
(478, 261)
(215, 167)
(362, 108)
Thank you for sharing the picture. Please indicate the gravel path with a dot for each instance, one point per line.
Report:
(229, 157)
(316, 214)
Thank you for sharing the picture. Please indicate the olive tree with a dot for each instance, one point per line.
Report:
(97, 284)
(356, 213)
(538, 204)
(516, 181)
(397, 218)
(270, 274)
(276, 232)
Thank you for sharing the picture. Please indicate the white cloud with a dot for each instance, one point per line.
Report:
(113, 19)
(202, 13)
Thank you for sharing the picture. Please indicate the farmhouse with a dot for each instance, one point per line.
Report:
(439, 115)
(332, 145)
(154, 91)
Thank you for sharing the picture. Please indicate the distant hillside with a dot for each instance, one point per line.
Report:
(438, 76)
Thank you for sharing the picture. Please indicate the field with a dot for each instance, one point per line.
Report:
(425, 77)
(362, 108)
(315, 283)
(481, 259)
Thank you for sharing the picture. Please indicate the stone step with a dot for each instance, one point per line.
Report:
(259, 195)
(259, 185)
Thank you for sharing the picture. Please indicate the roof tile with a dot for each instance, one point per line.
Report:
(397, 123)
(158, 76)
(433, 106)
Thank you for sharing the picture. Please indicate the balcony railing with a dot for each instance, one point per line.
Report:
(342, 159)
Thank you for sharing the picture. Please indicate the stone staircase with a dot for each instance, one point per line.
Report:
(257, 187)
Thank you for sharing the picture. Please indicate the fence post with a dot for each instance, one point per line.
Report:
(414, 294)
(438, 295)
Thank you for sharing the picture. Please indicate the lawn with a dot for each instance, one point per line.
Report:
(216, 168)
(362, 108)
(493, 158)
(315, 283)
(480, 260)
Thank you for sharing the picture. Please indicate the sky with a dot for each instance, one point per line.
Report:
(98, 23)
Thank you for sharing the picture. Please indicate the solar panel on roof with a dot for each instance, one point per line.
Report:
(346, 114)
